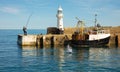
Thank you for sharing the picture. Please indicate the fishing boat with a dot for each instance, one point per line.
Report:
(96, 36)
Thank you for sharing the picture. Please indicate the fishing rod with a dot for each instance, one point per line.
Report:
(28, 19)
(25, 27)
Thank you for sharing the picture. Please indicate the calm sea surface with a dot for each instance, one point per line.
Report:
(14, 58)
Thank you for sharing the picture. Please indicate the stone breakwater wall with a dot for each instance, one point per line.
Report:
(62, 39)
(43, 40)
(118, 40)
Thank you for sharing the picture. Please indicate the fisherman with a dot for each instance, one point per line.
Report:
(25, 30)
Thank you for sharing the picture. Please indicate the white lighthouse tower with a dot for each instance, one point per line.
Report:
(60, 19)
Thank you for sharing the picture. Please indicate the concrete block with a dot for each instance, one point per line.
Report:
(27, 39)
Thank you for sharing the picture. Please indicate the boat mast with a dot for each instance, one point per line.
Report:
(95, 20)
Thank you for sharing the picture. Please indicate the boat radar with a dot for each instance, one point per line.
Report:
(60, 18)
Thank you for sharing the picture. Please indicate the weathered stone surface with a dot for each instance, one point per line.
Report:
(43, 40)
(118, 40)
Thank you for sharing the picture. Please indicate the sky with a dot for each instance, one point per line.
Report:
(14, 14)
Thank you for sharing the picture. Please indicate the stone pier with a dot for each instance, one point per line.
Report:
(52, 39)
(44, 40)
(112, 41)
(118, 38)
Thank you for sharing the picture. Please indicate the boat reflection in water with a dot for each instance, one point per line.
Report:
(81, 59)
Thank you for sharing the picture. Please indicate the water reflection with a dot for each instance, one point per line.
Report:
(99, 53)
(69, 49)
(81, 59)
(30, 51)
(45, 56)
(104, 57)
(60, 57)
(81, 53)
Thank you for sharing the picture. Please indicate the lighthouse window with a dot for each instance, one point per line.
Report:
(59, 11)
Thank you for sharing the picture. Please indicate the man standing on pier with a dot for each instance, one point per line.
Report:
(25, 30)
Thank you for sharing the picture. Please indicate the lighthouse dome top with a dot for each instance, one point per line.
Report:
(60, 8)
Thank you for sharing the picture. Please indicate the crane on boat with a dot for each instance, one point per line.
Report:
(80, 26)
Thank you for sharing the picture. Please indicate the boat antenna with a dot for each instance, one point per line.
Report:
(28, 19)
(95, 20)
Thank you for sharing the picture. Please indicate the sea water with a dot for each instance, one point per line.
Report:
(14, 58)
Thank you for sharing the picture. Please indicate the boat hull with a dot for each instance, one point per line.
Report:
(99, 42)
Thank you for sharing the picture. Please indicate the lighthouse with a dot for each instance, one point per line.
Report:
(60, 20)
